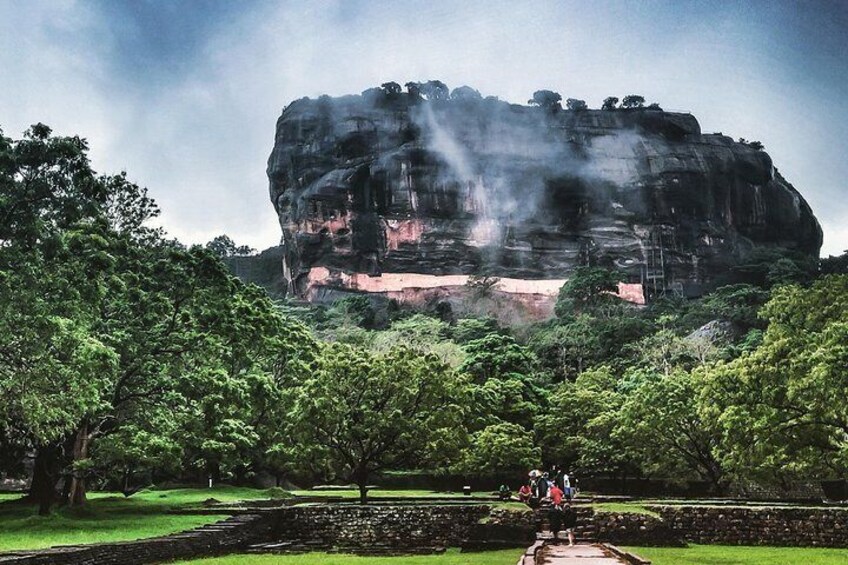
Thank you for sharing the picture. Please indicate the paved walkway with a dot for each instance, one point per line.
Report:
(577, 555)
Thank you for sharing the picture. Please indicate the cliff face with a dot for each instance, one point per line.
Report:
(394, 194)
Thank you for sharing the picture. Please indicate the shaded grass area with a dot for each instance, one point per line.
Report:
(741, 555)
(623, 508)
(111, 517)
(451, 557)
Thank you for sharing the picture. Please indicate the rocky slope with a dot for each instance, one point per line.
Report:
(388, 192)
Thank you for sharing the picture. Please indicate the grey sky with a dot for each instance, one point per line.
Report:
(185, 95)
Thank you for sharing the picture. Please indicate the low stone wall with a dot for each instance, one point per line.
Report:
(825, 527)
(801, 527)
(503, 528)
(407, 528)
(226, 536)
(376, 529)
(634, 529)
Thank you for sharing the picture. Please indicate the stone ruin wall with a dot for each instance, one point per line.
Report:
(395, 529)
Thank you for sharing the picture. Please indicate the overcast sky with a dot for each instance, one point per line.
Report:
(184, 96)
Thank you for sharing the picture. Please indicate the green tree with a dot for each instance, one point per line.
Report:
(468, 329)
(499, 449)
(575, 104)
(53, 208)
(424, 335)
(588, 288)
(609, 103)
(780, 408)
(496, 356)
(834, 264)
(769, 266)
(109, 320)
(223, 247)
(433, 90)
(391, 88)
(569, 348)
(369, 412)
(546, 99)
(465, 93)
(660, 425)
(739, 304)
(579, 427)
(633, 101)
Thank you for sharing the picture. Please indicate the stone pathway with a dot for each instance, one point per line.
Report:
(563, 555)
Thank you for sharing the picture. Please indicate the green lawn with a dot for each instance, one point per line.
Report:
(623, 508)
(451, 557)
(741, 555)
(181, 497)
(111, 517)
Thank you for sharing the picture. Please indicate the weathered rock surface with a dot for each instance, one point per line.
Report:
(392, 193)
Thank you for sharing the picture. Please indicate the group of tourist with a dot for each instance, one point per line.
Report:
(555, 490)
(544, 487)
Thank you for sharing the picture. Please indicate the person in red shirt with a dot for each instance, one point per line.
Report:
(524, 493)
(556, 495)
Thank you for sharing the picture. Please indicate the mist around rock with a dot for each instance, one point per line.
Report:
(431, 183)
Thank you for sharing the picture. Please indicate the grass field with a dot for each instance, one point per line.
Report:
(110, 517)
(744, 555)
(451, 557)
(623, 508)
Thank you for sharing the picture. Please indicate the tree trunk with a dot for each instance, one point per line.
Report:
(77, 495)
(361, 479)
(716, 478)
(66, 488)
(214, 472)
(45, 472)
(128, 473)
(240, 475)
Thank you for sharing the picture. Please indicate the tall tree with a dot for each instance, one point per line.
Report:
(369, 412)
(588, 288)
(780, 408)
(633, 101)
(659, 423)
(547, 99)
(609, 103)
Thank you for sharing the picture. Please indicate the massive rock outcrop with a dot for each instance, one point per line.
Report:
(388, 192)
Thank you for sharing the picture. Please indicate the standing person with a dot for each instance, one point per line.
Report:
(558, 479)
(569, 522)
(555, 519)
(542, 487)
(556, 495)
(535, 476)
(566, 485)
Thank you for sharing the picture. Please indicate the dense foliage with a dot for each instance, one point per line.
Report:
(127, 358)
